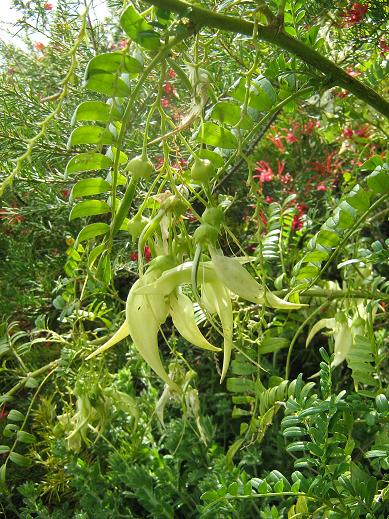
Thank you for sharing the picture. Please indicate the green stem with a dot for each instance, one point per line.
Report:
(124, 206)
(271, 33)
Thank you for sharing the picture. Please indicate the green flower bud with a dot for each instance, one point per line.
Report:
(136, 225)
(213, 216)
(206, 234)
(140, 167)
(202, 170)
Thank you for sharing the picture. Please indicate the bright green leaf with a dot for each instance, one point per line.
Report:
(113, 62)
(214, 157)
(90, 186)
(108, 84)
(378, 181)
(91, 231)
(90, 135)
(15, 416)
(87, 162)
(95, 111)
(358, 199)
(89, 208)
(229, 113)
(217, 136)
(138, 29)
(327, 238)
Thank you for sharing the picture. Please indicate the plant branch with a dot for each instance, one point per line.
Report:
(205, 18)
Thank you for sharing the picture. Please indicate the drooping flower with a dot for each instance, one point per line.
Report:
(268, 199)
(348, 133)
(171, 73)
(147, 253)
(167, 87)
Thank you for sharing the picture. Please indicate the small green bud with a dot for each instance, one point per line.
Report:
(136, 225)
(174, 204)
(162, 263)
(206, 234)
(202, 170)
(213, 216)
(140, 167)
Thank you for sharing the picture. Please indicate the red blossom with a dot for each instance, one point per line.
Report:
(122, 44)
(309, 127)
(353, 73)
(290, 138)
(165, 102)
(363, 131)
(355, 14)
(286, 179)
(265, 172)
(167, 88)
(39, 46)
(159, 162)
(383, 45)
(276, 140)
(296, 223)
(65, 193)
(342, 94)
(321, 187)
(263, 218)
(48, 7)
(147, 253)
(134, 256)
(171, 73)
(268, 199)
(3, 413)
(348, 133)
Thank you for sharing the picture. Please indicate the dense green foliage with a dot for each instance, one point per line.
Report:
(237, 197)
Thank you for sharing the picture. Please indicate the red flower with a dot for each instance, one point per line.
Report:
(363, 132)
(268, 199)
(65, 193)
(296, 223)
(159, 162)
(122, 44)
(3, 413)
(263, 218)
(167, 88)
(290, 138)
(354, 14)
(48, 6)
(276, 140)
(348, 133)
(351, 72)
(383, 45)
(39, 46)
(265, 172)
(165, 102)
(342, 94)
(309, 127)
(171, 73)
(147, 253)
(286, 179)
(321, 187)
(134, 256)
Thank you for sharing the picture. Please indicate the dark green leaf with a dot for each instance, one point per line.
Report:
(25, 437)
(240, 385)
(19, 460)
(327, 238)
(15, 416)
(4, 449)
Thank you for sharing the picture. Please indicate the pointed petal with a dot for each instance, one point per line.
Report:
(121, 334)
(181, 310)
(343, 343)
(275, 302)
(323, 323)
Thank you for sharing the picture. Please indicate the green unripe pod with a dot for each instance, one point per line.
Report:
(213, 216)
(174, 204)
(140, 167)
(202, 170)
(205, 234)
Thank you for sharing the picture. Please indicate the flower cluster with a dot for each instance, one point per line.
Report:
(355, 14)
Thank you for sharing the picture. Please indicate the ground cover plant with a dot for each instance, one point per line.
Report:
(194, 260)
